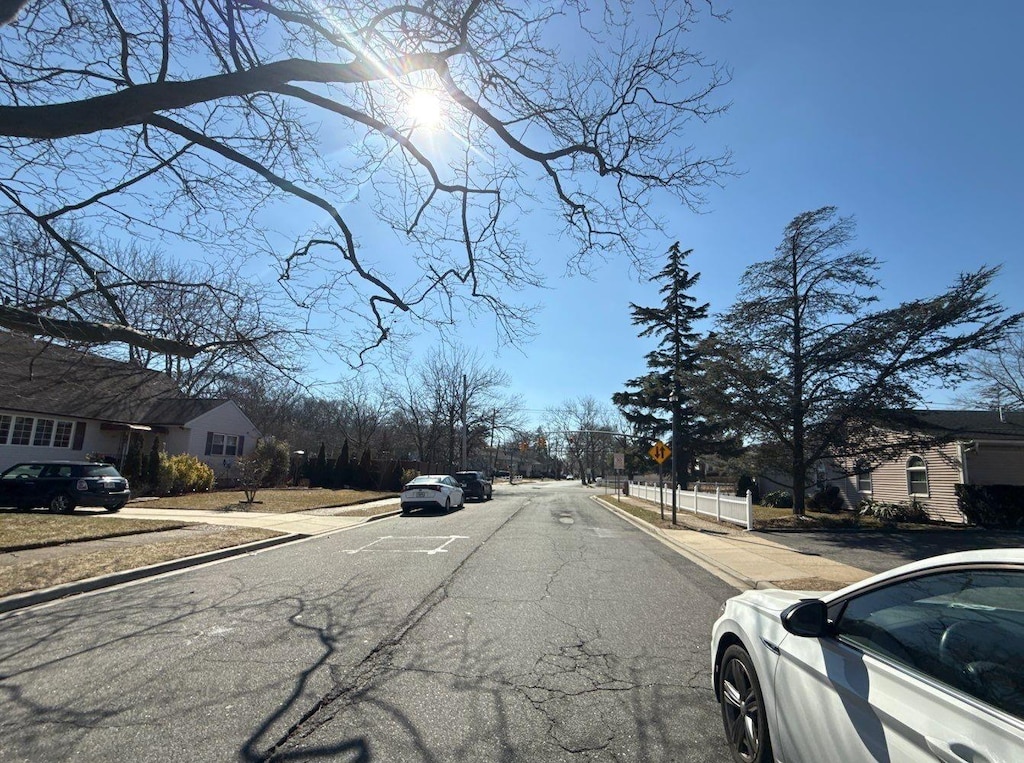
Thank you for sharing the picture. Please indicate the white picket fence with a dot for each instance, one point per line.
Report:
(724, 508)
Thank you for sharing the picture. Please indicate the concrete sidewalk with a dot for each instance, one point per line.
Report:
(745, 560)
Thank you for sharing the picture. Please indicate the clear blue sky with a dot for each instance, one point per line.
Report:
(907, 115)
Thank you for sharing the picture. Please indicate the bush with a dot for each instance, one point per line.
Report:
(183, 473)
(906, 511)
(992, 505)
(778, 499)
(829, 500)
(275, 457)
(745, 483)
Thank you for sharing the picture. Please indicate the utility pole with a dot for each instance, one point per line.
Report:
(465, 428)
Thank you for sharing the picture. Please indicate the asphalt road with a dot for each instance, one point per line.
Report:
(879, 551)
(538, 626)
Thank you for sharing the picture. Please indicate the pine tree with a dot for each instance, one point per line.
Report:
(342, 470)
(319, 475)
(647, 403)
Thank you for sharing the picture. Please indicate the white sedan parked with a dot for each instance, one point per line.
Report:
(921, 663)
(432, 491)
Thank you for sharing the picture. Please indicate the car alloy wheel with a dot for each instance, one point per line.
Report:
(61, 504)
(746, 727)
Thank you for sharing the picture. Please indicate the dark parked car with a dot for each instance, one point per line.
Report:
(476, 485)
(60, 486)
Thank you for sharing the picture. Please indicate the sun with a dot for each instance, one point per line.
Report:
(424, 108)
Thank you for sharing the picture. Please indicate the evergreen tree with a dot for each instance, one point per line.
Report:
(342, 469)
(133, 467)
(153, 463)
(813, 374)
(319, 475)
(647, 403)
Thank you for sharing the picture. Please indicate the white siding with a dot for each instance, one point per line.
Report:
(225, 419)
(96, 441)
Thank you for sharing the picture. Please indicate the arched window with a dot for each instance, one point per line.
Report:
(917, 476)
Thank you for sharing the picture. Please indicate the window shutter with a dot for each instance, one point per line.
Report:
(209, 443)
(241, 445)
(79, 440)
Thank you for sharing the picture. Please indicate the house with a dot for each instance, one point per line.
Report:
(985, 448)
(60, 403)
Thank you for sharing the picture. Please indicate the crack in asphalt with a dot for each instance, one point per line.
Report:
(376, 663)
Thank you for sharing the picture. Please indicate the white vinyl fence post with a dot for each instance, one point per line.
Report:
(750, 510)
(696, 490)
(718, 503)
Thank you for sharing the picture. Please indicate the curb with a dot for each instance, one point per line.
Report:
(727, 574)
(43, 595)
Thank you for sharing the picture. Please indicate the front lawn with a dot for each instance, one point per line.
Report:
(23, 530)
(271, 500)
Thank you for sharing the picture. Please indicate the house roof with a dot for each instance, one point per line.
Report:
(977, 425)
(39, 377)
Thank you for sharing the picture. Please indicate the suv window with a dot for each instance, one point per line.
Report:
(24, 470)
(100, 470)
(964, 628)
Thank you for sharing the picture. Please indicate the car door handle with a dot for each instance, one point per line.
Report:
(957, 752)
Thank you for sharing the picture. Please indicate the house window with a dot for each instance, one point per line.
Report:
(863, 477)
(22, 432)
(62, 437)
(223, 444)
(917, 476)
(40, 433)
(44, 433)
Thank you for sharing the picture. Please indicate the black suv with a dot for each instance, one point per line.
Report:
(475, 485)
(62, 485)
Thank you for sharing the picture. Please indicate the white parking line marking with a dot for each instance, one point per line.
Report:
(400, 539)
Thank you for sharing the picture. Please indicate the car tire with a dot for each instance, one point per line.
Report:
(61, 503)
(447, 505)
(115, 508)
(743, 712)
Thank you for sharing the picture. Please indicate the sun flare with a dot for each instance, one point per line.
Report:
(424, 109)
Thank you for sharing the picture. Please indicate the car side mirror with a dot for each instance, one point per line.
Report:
(807, 618)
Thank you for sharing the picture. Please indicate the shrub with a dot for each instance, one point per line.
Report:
(745, 483)
(252, 474)
(778, 499)
(275, 457)
(992, 505)
(905, 511)
(829, 500)
(183, 473)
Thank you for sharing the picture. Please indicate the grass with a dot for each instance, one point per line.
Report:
(35, 530)
(768, 517)
(273, 500)
(43, 573)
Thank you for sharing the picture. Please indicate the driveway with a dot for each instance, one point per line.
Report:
(880, 550)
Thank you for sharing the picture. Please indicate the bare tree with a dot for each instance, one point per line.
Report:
(998, 375)
(191, 122)
(584, 430)
(449, 386)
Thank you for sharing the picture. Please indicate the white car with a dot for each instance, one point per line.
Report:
(924, 662)
(432, 491)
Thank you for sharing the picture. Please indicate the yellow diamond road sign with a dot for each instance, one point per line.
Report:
(660, 452)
